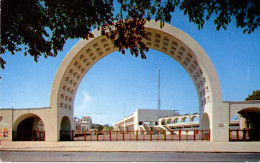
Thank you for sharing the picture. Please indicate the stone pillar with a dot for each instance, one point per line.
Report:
(219, 123)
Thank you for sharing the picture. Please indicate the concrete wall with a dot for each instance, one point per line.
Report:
(6, 123)
(236, 106)
(12, 118)
(147, 115)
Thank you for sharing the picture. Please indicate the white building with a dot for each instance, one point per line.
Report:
(84, 123)
(142, 119)
(150, 120)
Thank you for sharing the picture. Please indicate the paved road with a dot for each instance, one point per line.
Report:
(126, 156)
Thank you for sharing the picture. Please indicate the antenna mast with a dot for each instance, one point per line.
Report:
(159, 105)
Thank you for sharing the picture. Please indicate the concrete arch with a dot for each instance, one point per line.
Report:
(23, 117)
(176, 120)
(26, 125)
(65, 123)
(194, 117)
(65, 128)
(169, 40)
(205, 122)
(237, 106)
(250, 118)
(163, 122)
(185, 119)
(169, 121)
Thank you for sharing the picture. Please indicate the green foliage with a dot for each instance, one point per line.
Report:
(97, 126)
(41, 27)
(106, 127)
(254, 96)
(246, 13)
(100, 127)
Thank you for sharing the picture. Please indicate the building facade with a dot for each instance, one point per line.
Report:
(142, 118)
(149, 120)
(85, 123)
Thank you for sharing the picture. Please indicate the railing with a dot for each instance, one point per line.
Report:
(244, 135)
(176, 135)
(29, 135)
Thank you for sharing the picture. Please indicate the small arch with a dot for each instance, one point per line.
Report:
(65, 129)
(205, 123)
(184, 120)
(250, 118)
(177, 120)
(29, 127)
(169, 121)
(163, 122)
(194, 119)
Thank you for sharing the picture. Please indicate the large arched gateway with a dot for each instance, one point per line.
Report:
(214, 113)
(168, 40)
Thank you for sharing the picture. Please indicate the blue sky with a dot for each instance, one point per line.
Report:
(119, 84)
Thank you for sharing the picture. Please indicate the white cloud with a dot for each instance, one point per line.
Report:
(85, 102)
(84, 109)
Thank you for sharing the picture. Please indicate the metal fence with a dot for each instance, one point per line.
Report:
(29, 135)
(244, 135)
(176, 135)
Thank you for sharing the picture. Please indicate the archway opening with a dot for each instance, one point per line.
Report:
(177, 120)
(234, 123)
(204, 127)
(169, 121)
(185, 120)
(205, 123)
(65, 129)
(123, 89)
(195, 119)
(163, 122)
(250, 120)
(31, 128)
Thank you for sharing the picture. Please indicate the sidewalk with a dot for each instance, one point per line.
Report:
(120, 146)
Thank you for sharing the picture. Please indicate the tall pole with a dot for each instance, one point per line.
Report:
(124, 110)
(159, 90)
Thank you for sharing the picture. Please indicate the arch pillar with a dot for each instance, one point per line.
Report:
(219, 125)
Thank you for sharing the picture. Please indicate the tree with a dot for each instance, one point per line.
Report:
(254, 96)
(106, 127)
(41, 27)
(97, 126)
